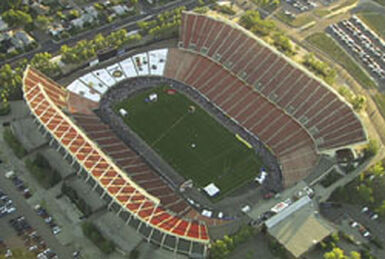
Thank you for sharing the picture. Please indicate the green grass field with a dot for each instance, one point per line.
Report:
(330, 47)
(298, 21)
(379, 100)
(375, 21)
(170, 129)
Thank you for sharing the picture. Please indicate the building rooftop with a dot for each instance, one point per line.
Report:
(299, 227)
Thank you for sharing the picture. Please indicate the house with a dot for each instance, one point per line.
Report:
(91, 11)
(40, 8)
(24, 37)
(78, 22)
(119, 9)
(17, 43)
(3, 25)
(81, 21)
(55, 29)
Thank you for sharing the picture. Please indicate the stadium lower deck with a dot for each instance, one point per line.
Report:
(294, 114)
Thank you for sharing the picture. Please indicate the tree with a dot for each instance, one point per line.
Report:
(10, 4)
(335, 237)
(359, 103)
(99, 6)
(117, 38)
(378, 169)
(74, 14)
(249, 19)
(100, 41)
(355, 255)
(17, 18)
(372, 148)
(283, 44)
(252, 21)
(381, 210)
(43, 22)
(320, 68)
(366, 193)
(335, 253)
(42, 62)
(219, 250)
(10, 81)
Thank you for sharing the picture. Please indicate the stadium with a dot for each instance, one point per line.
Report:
(220, 76)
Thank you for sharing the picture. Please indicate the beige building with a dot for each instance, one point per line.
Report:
(299, 227)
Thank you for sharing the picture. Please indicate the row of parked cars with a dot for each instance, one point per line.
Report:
(48, 219)
(372, 215)
(363, 230)
(365, 46)
(19, 184)
(32, 240)
(6, 205)
(302, 5)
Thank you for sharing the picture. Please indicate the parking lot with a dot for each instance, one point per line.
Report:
(353, 220)
(362, 44)
(17, 231)
(294, 7)
(21, 225)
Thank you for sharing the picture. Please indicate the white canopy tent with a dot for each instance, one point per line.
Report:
(211, 189)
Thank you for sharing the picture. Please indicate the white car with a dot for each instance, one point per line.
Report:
(364, 209)
(366, 234)
(354, 224)
(11, 209)
(246, 208)
(374, 217)
(9, 174)
(56, 230)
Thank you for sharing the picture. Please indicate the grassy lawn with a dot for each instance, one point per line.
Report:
(329, 46)
(298, 21)
(375, 21)
(344, 4)
(379, 100)
(193, 143)
(93, 233)
(14, 143)
(321, 12)
(43, 172)
(381, 2)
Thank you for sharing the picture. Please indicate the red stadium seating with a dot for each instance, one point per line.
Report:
(294, 91)
(46, 99)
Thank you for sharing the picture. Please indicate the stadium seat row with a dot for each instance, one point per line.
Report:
(46, 100)
(328, 119)
(94, 84)
(287, 139)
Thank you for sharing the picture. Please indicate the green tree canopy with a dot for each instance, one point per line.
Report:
(10, 4)
(9, 81)
(17, 17)
(42, 21)
(42, 62)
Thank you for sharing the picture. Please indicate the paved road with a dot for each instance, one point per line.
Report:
(128, 23)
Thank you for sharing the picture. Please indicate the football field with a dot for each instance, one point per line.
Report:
(190, 140)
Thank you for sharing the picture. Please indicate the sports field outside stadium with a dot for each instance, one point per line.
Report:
(190, 140)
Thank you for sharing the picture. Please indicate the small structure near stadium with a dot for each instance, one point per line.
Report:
(122, 112)
(153, 97)
(211, 189)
